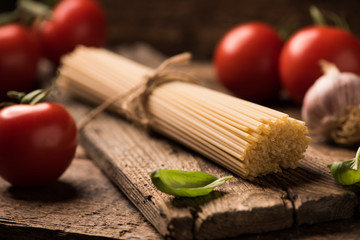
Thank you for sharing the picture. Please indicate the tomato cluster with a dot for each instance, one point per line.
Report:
(254, 63)
(72, 22)
(38, 140)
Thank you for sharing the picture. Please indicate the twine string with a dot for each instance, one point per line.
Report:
(134, 101)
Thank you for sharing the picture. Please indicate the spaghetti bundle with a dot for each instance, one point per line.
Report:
(244, 137)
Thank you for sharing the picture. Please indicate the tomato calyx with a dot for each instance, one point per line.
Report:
(323, 18)
(34, 10)
(31, 98)
(26, 12)
(8, 17)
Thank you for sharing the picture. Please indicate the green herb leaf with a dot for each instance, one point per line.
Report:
(346, 172)
(185, 184)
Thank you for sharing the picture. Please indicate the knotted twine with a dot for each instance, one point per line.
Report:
(134, 102)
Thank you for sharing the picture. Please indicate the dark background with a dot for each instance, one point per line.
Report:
(174, 26)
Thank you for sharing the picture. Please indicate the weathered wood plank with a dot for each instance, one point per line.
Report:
(128, 155)
(315, 195)
(320, 189)
(83, 204)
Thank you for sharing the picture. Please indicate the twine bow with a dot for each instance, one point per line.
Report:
(134, 102)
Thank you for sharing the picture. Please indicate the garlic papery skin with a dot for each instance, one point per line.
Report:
(331, 107)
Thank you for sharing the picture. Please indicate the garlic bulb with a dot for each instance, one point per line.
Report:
(331, 107)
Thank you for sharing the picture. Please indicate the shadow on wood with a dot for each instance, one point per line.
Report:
(56, 192)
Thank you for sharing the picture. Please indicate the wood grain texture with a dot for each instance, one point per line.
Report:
(315, 195)
(83, 204)
(127, 155)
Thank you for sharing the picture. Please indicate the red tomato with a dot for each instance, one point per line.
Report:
(19, 55)
(246, 61)
(37, 143)
(73, 22)
(299, 60)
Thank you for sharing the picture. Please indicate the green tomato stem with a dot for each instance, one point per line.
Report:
(317, 17)
(35, 9)
(8, 17)
(357, 157)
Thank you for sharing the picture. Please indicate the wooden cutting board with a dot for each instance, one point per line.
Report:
(127, 155)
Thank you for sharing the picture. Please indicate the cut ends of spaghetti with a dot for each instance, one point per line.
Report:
(281, 148)
(248, 139)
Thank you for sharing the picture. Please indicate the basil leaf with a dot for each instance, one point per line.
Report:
(185, 184)
(346, 172)
(343, 174)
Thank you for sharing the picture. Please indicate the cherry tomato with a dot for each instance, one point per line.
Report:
(73, 22)
(37, 143)
(246, 61)
(19, 55)
(299, 60)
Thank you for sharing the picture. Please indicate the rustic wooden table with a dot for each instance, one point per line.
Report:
(85, 204)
